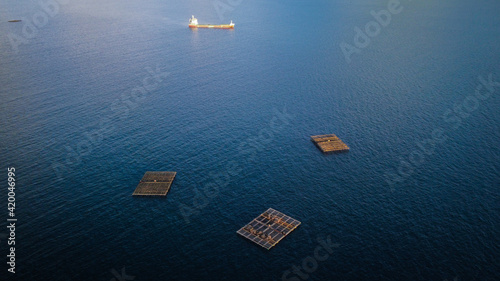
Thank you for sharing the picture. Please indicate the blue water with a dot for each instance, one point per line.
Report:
(232, 112)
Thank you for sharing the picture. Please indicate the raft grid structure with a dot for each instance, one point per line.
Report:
(268, 228)
(155, 184)
(329, 143)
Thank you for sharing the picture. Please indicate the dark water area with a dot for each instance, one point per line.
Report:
(98, 93)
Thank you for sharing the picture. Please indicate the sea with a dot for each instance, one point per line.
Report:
(95, 93)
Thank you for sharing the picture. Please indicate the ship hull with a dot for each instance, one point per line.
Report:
(218, 26)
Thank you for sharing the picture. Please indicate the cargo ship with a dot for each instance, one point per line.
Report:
(193, 23)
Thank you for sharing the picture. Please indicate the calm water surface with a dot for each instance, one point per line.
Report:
(232, 111)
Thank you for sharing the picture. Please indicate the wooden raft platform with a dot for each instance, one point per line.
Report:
(329, 143)
(269, 228)
(155, 184)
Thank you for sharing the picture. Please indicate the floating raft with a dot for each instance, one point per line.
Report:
(329, 143)
(269, 228)
(155, 184)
